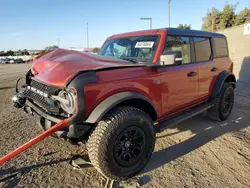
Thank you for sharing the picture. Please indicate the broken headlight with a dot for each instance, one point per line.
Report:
(67, 100)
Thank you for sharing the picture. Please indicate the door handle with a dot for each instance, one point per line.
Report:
(214, 69)
(192, 74)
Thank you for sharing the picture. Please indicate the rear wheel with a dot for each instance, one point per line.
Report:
(122, 143)
(223, 103)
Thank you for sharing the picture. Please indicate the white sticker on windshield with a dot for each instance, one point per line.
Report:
(144, 44)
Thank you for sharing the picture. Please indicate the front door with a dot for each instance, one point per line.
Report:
(179, 81)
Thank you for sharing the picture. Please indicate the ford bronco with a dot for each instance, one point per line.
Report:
(138, 84)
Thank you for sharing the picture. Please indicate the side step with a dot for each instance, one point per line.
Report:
(183, 116)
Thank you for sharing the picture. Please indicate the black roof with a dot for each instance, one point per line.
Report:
(197, 33)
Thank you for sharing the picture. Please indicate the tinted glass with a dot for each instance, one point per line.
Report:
(179, 43)
(220, 47)
(202, 49)
(139, 48)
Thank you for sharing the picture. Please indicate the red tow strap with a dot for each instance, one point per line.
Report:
(60, 125)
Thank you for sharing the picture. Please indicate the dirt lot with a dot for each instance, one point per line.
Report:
(195, 153)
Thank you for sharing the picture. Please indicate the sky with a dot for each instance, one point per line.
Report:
(35, 24)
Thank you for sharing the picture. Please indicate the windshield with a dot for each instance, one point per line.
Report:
(137, 48)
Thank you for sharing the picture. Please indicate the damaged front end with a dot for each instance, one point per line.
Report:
(50, 104)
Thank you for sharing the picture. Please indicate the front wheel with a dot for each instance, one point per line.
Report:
(223, 103)
(122, 143)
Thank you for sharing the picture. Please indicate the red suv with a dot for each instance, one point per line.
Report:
(139, 83)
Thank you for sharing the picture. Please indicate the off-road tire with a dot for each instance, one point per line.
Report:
(101, 142)
(216, 112)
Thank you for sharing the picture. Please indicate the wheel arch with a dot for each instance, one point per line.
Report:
(221, 79)
(127, 98)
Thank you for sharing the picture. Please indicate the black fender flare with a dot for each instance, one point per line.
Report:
(78, 82)
(223, 77)
(107, 104)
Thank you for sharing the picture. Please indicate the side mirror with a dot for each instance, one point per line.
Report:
(171, 58)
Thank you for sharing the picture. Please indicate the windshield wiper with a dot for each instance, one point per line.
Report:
(129, 59)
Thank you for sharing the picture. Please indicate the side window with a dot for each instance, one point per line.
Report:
(115, 50)
(108, 52)
(179, 45)
(220, 47)
(119, 50)
(203, 50)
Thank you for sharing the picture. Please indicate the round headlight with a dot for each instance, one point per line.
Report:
(69, 102)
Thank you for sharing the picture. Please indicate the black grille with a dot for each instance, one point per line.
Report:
(45, 103)
(43, 87)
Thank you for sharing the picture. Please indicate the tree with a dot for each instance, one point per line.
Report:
(181, 26)
(227, 16)
(212, 20)
(9, 53)
(2, 53)
(95, 50)
(18, 52)
(241, 18)
(25, 52)
(215, 19)
(51, 47)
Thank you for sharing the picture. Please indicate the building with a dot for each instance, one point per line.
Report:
(247, 27)
(81, 49)
(34, 52)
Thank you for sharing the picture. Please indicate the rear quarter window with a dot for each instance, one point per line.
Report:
(220, 47)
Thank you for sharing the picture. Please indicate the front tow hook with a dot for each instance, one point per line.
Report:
(18, 100)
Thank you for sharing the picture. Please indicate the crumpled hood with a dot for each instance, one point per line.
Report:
(59, 65)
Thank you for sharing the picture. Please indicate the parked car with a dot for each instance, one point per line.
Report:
(2, 60)
(12, 61)
(19, 60)
(138, 84)
(7, 60)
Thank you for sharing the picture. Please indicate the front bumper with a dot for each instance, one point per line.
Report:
(35, 110)
(45, 110)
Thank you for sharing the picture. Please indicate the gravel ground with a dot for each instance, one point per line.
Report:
(195, 153)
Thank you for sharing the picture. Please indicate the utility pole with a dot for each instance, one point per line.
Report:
(150, 19)
(58, 42)
(87, 35)
(169, 12)
(212, 25)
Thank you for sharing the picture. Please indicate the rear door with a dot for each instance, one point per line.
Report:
(222, 60)
(206, 66)
(179, 81)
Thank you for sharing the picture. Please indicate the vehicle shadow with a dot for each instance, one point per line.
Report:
(10, 181)
(31, 167)
(204, 131)
(13, 175)
(244, 75)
